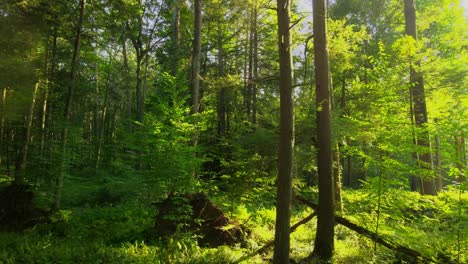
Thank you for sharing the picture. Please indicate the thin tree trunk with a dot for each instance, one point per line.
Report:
(128, 91)
(255, 65)
(324, 240)
(286, 138)
(248, 93)
(196, 56)
(20, 169)
(2, 123)
(337, 174)
(69, 101)
(221, 106)
(175, 38)
(460, 155)
(139, 90)
(438, 164)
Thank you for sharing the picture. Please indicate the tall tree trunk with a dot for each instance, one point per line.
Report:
(255, 65)
(248, 92)
(420, 110)
(2, 122)
(460, 155)
(221, 104)
(175, 38)
(139, 89)
(20, 169)
(438, 163)
(413, 179)
(324, 240)
(69, 100)
(196, 57)
(286, 139)
(337, 175)
(128, 91)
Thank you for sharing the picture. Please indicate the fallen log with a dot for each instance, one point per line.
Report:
(270, 243)
(372, 235)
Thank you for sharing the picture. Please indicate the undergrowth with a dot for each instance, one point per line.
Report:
(121, 232)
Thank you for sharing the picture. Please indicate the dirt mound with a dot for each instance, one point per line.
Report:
(17, 210)
(196, 213)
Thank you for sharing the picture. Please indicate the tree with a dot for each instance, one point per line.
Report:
(196, 53)
(68, 103)
(324, 240)
(286, 138)
(418, 105)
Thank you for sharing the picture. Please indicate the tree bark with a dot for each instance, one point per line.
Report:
(286, 137)
(420, 110)
(324, 240)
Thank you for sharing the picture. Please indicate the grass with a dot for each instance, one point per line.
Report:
(119, 232)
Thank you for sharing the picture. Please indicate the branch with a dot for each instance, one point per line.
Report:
(271, 243)
(370, 234)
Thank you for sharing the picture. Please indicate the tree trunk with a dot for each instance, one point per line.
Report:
(248, 93)
(221, 104)
(196, 56)
(438, 164)
(460, 155)
(324, 240)
(69, 100)
(286, 138)
(20, 170)
(255, 65)
(128, 91)
(2, 122)
(337, 175)
(420, 110)
(139, 89)
(176, 38)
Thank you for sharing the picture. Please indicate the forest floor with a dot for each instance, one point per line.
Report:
(104, 225)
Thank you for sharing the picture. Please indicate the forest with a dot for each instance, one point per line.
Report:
(223, 131)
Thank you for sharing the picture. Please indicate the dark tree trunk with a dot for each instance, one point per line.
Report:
(2, 123)
(419, 100)
(286, 139)
(324, 240)
(139, 89)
